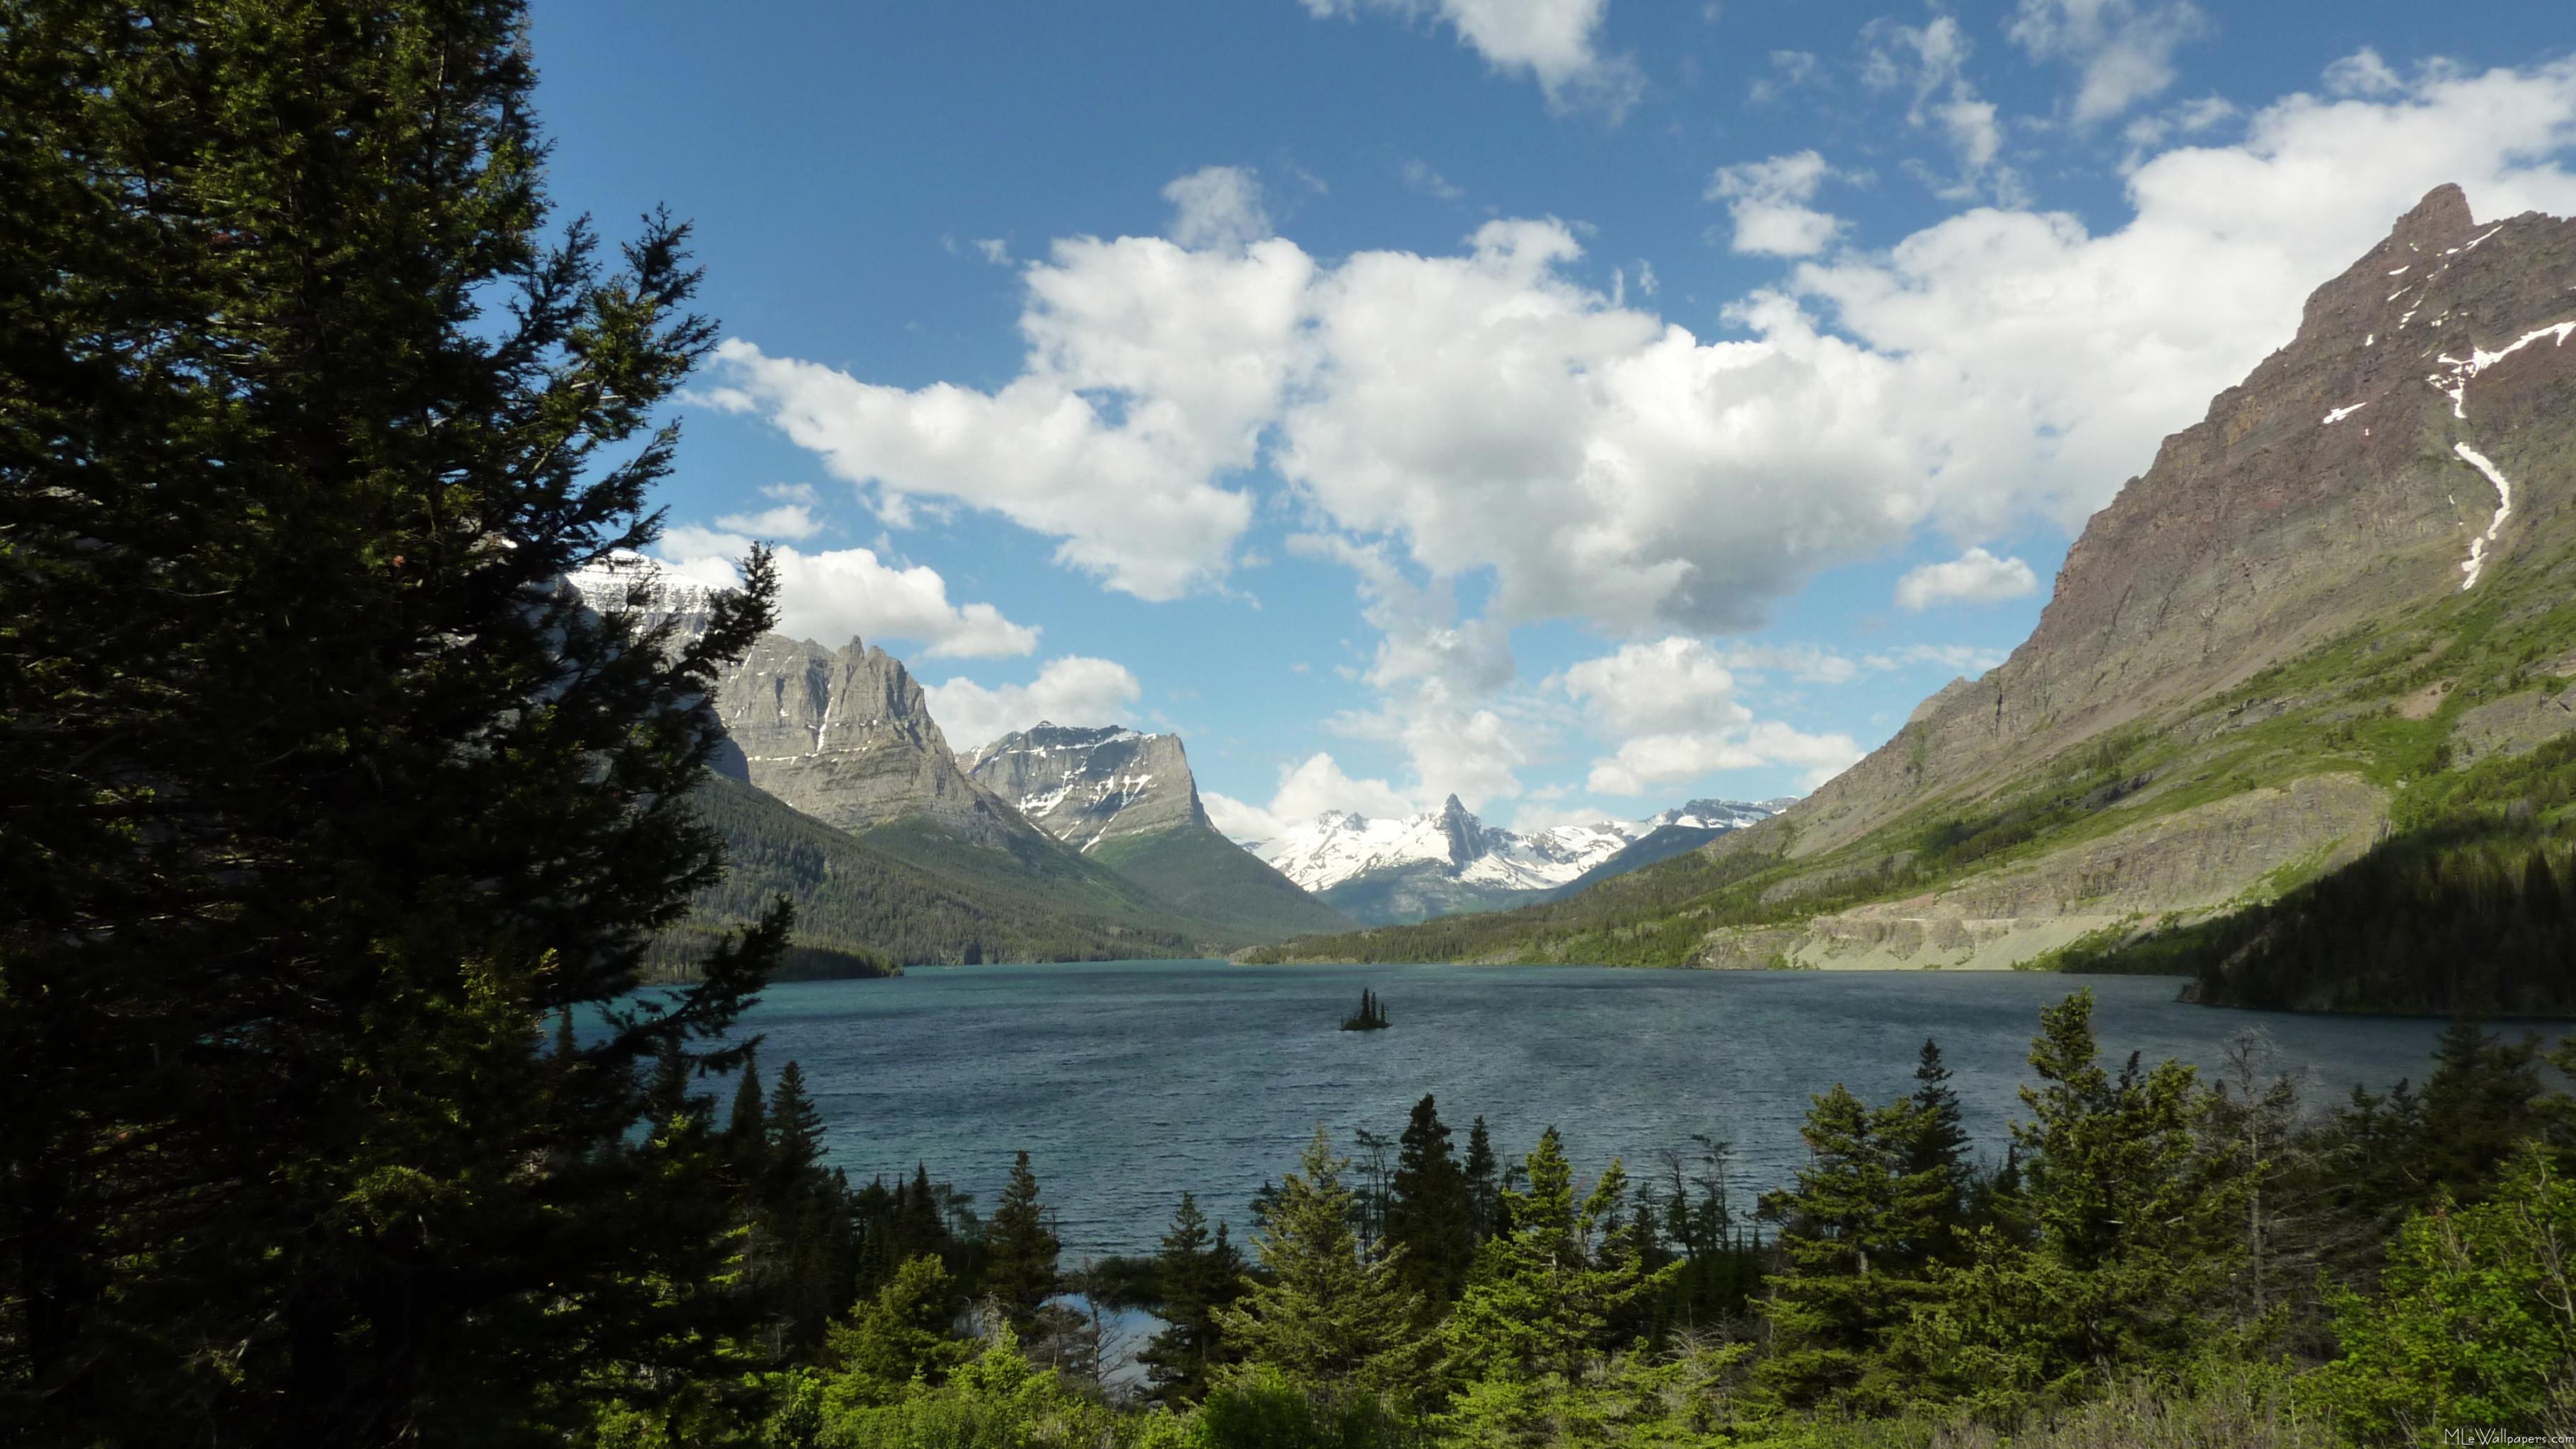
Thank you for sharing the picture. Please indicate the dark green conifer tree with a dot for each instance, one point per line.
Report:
(1484, 1182)
(1432, 1219)
(1846, 1286)
(1201, 1275)
(746, 1136)
(2481, 1100)
(1020, 1253)
(795, 1127)
(1339, 1328)
(1549, 1297)
(2131, 1233)
(1943, 1142)
(322, 794)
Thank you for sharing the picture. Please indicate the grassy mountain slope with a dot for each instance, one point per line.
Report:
(2433, 739)
(2270, 730)
(858, 905)
(1209, 878)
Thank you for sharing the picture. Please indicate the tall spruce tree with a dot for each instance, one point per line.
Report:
(795, 1126)
(2481, 1100)
(1849, 1280)
(1200, 1274)
(1432, 1219)
(322, 793)
(746, 1135)
(1484, 1181)
(1942, 1142)
(1547, 1292)
(1020, 1253)
(2130, 1231)
(1339, 1327)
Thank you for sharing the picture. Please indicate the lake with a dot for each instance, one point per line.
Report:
(1130, 1081)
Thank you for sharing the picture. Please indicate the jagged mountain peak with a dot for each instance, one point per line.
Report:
(1342, 846)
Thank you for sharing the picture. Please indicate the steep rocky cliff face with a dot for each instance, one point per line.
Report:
(1084, 786)
(2361, 470)
(845, 735)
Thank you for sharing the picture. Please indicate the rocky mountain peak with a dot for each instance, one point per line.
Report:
(1085, 785)
(1460, 830)
(845, 735)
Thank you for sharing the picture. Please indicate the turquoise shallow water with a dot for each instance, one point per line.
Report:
(1128, 1082)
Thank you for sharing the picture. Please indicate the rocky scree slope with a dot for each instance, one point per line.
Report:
(2339, 610)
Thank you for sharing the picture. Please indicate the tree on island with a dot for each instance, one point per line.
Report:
(324, 796)
(1370, 1017)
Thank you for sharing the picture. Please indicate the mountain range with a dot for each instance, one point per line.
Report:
(1445, 862)
(2305, 680)
(837, 788)
(1128, 801)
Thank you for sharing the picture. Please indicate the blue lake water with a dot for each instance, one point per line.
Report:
(1128, 1082)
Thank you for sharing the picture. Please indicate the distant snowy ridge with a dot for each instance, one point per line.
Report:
(1341, 845)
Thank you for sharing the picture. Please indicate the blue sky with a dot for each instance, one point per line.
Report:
(1579, 405)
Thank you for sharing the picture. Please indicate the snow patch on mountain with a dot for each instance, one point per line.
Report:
(1343, 845)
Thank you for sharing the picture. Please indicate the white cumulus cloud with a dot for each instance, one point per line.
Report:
(1306, 790)
(787, 520)
(1974, 577)
(1671, 706)
(1481, 414)
(1555, 41)
(842, 594)
(1151, 371)
(1658, 762)
(1072, 690)
(1768, 200)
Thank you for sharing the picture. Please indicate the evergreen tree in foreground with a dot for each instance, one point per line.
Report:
(1200, 1274)
(1432, 1220)
(1546, 1294)
(323, 796)
(1340, 1329)
(1020, 1253)
(1484, 1182)
(2126, 1232)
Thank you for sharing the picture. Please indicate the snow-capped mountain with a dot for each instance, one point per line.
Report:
(1714, 815)
(1380, 869)
(1084, 786)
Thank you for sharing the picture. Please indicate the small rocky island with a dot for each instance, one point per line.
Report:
(1370, 1017)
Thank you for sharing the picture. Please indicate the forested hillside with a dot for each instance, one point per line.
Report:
(861, 911)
